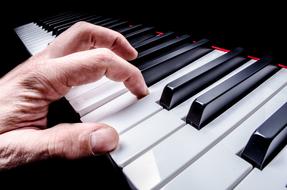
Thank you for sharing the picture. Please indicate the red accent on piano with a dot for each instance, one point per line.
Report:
(220, 49)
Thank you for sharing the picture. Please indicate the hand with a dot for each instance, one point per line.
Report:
(82, 54)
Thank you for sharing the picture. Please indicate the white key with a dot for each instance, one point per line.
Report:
(192, 143)
(140, 110)
(76, 91)
(145, 135)
(217, 169)
(273, 176)
(97, 97)
(126, 105)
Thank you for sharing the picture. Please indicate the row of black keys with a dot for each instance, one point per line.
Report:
(162, 55)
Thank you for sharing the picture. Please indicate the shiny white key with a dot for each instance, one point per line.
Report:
(145, 135)
(273, 176)
(192, 143)
(126, 105)
(217, 169)
(97, 97)
(76, 91)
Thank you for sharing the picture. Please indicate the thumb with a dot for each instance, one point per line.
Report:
(73, 141)
(70, 141)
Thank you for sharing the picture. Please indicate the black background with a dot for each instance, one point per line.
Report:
(259, 27)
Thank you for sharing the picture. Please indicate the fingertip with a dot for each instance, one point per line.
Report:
(104, 139)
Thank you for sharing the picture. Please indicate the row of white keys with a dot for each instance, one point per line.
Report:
(188, 144)
(127, 106)
(34, 38)
(76, 91)
(145, 135)
(221, 167)
(97, 97)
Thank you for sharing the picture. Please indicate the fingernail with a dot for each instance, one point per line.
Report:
(102, 141)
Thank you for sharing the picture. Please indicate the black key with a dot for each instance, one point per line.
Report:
(153, 41)
(62, 29)
(51, 26)
(141, 38)
(160, 48)
(140, 32)
(130, 29)
(155, 70)
(40, 21)
(59, 18)
(112, 22)
(188, 85)
(69, 24)
(118, 25)
(46, 25)
(103, 21)
(268, 140)
(214, 102)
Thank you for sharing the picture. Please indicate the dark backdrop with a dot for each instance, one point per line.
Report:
(258, 27)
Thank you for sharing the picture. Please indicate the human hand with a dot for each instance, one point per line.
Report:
(82, 54)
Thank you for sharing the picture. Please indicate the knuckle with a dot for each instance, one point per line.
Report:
(104, 54)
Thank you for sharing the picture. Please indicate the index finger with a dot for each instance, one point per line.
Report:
(84, 36)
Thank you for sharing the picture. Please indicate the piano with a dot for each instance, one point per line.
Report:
(215, 118)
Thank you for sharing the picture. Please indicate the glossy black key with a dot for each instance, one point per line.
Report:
(129, 29)
(160, 48)
(40, 21)
(153, 41)
(69, 24)
(140, 32)
(103, 21)
(155, 70)
(214, 102)
(59, 30)
(188, 85)
(118, 25)
(141, 38)
(112, 22)
(62, 18)
(268, 140)
(51, 26)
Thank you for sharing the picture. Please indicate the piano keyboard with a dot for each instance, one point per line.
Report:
(214, 118)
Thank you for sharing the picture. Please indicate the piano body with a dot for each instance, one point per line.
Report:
(215, 118)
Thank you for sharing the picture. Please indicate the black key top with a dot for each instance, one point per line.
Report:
(130, 29)
(141, 38)
(46, 25)
(51, 26)
(103, 21)
(214, 102)
(68, 24)
(118, 25)
(159, 49)
(268, 140)
(59, 18)
(59, 30)
(153, 41)
(188, 85)
(140, 32)
(40, 21)
(112, 22)
(155, 70)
